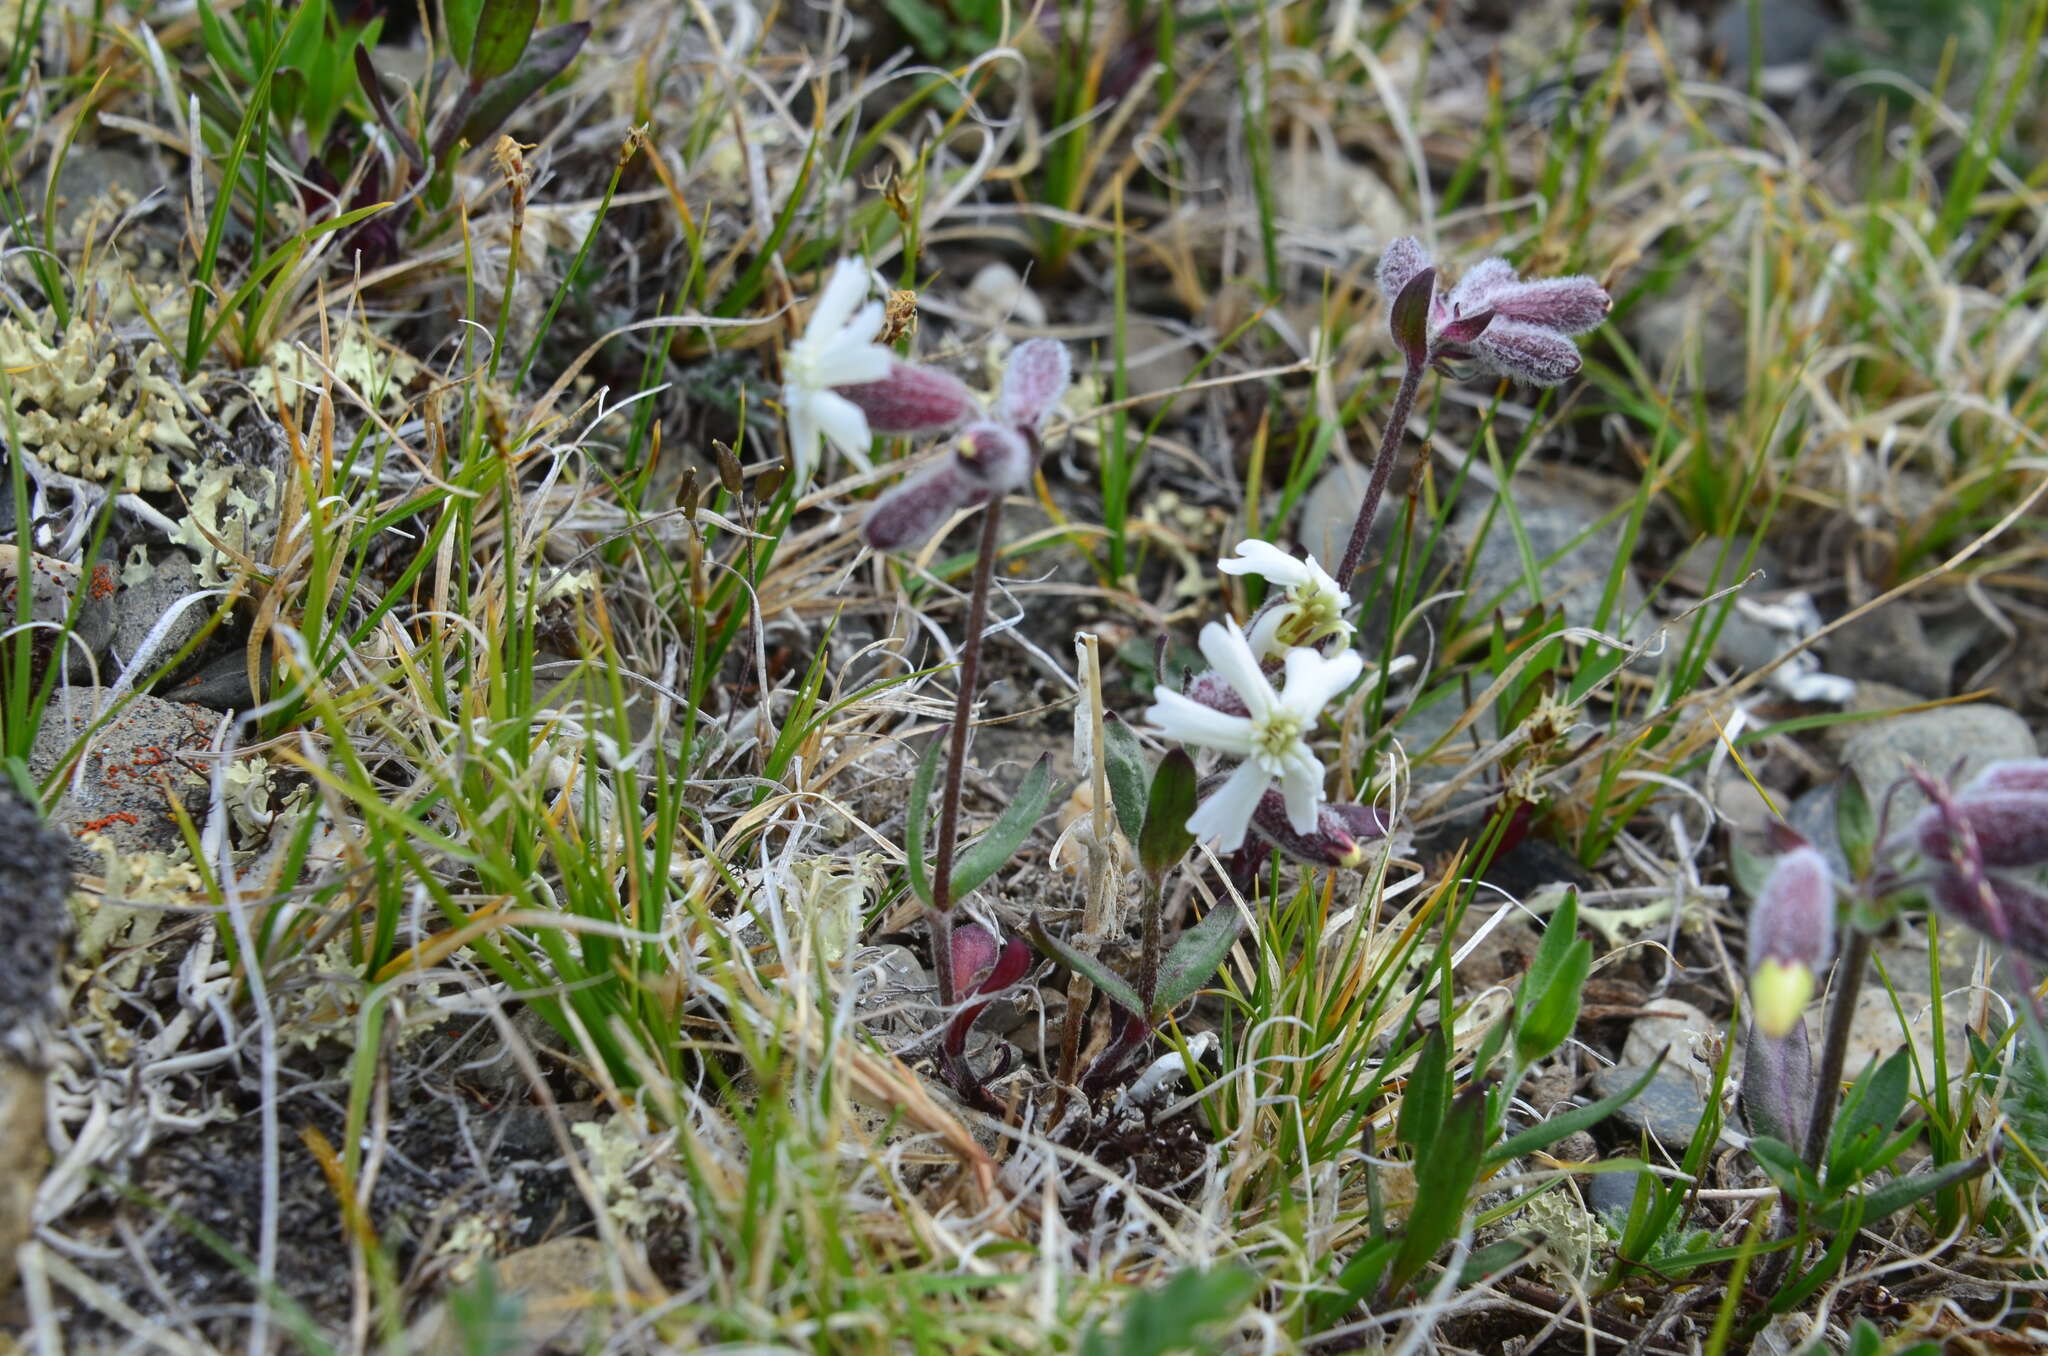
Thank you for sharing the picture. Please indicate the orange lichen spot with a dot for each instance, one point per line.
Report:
(102, 582)
(104, 821)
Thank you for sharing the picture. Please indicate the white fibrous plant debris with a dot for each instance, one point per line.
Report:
(837, 893)
(231, 505)
(92, 411)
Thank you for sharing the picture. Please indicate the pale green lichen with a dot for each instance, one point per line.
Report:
(89, 411)
(635, 1192)
(375, 374)
(129, 908)
(1571, 1236)
(230, 505)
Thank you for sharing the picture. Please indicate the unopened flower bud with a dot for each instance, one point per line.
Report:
(1399, 263)
(913, 399)
(1340, 838)
(908, 515)
(1791, 939)
(2010, 827)
(1526, 352)
(1034, 380)
(1571, 305)
(2020, 774)
(2011, 912)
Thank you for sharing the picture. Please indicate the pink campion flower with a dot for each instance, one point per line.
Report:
(1504, 324)
(986, 460)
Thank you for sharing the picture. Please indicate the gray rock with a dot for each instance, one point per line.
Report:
(560, 1286)
(1890, 645)
(1670, 1108)
(1701, 569)
(34, 880)
(53, 587)
(1610, 1194)
(1157, 361)
(1812, 817)
(1697, 337)
(1951, 741)
(105, 180)
(1575, 564)
(150, 751)
(999, 295)
(1330, 508)
(1789, 33)
(140, 606)
(1692, 1037)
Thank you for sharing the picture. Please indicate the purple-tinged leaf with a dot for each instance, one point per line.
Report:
(1165, 839)
(1465, 328)
(981, 967)
(913, 399)
(1408, 320)
(546, 57)
(1034, 380)
(503, 28)
(1777, 1083)
(373, 87)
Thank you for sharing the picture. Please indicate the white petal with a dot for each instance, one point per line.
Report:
(1222, 818)
(845, 423)
(803, 431)
(1267, 561)
(1227, 651)
(843, 292)
(1265, 635)
(1190, 722)
(1313, 680)
(1302, 785)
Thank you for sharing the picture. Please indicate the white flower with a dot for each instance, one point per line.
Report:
(838, 348)
(1272, 740)
(1311, 608)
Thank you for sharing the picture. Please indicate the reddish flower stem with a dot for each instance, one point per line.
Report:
(1382, 469)
(939, 918)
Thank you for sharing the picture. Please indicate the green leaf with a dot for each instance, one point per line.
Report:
(1173, 1317)
(1123, 767)
(1784, 1166)
(459, 18)
(1493, 1258)
(1359, 1276)
(1094, 971)
(987, 854)
(1428, 1092)
(1868, 1113)
(1443, 1179)
(1551, 1129)
(919, 817)
(503, 28)
(1195, 956)
(1165, 838)
(927, 26)
(1855, 824)
(547, 56)
(1869, 1207)
(1550, 992)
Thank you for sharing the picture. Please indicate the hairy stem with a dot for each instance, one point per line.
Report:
(1382, 469)
(1148, 958)
(939, 917)
(1828, 1078)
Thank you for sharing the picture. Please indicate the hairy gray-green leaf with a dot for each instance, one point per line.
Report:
(1196, 955)
(987, 854)
(1166, 839)
(919, 815)
(1443, 1181)
(1428, 1092)
(1094, 971)
(1123, 767)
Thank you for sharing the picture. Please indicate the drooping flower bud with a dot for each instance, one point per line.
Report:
(2010, 827)
(1214, 691)
(910, 513)
(1791, 939)
(2020, 774)
(1526, 352)
(1034, 380)
(1568, 305)
(1507, 325)
(1399, 263)
(992, 459)
(913, 399)
(1340, 837)
(2011, 912)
